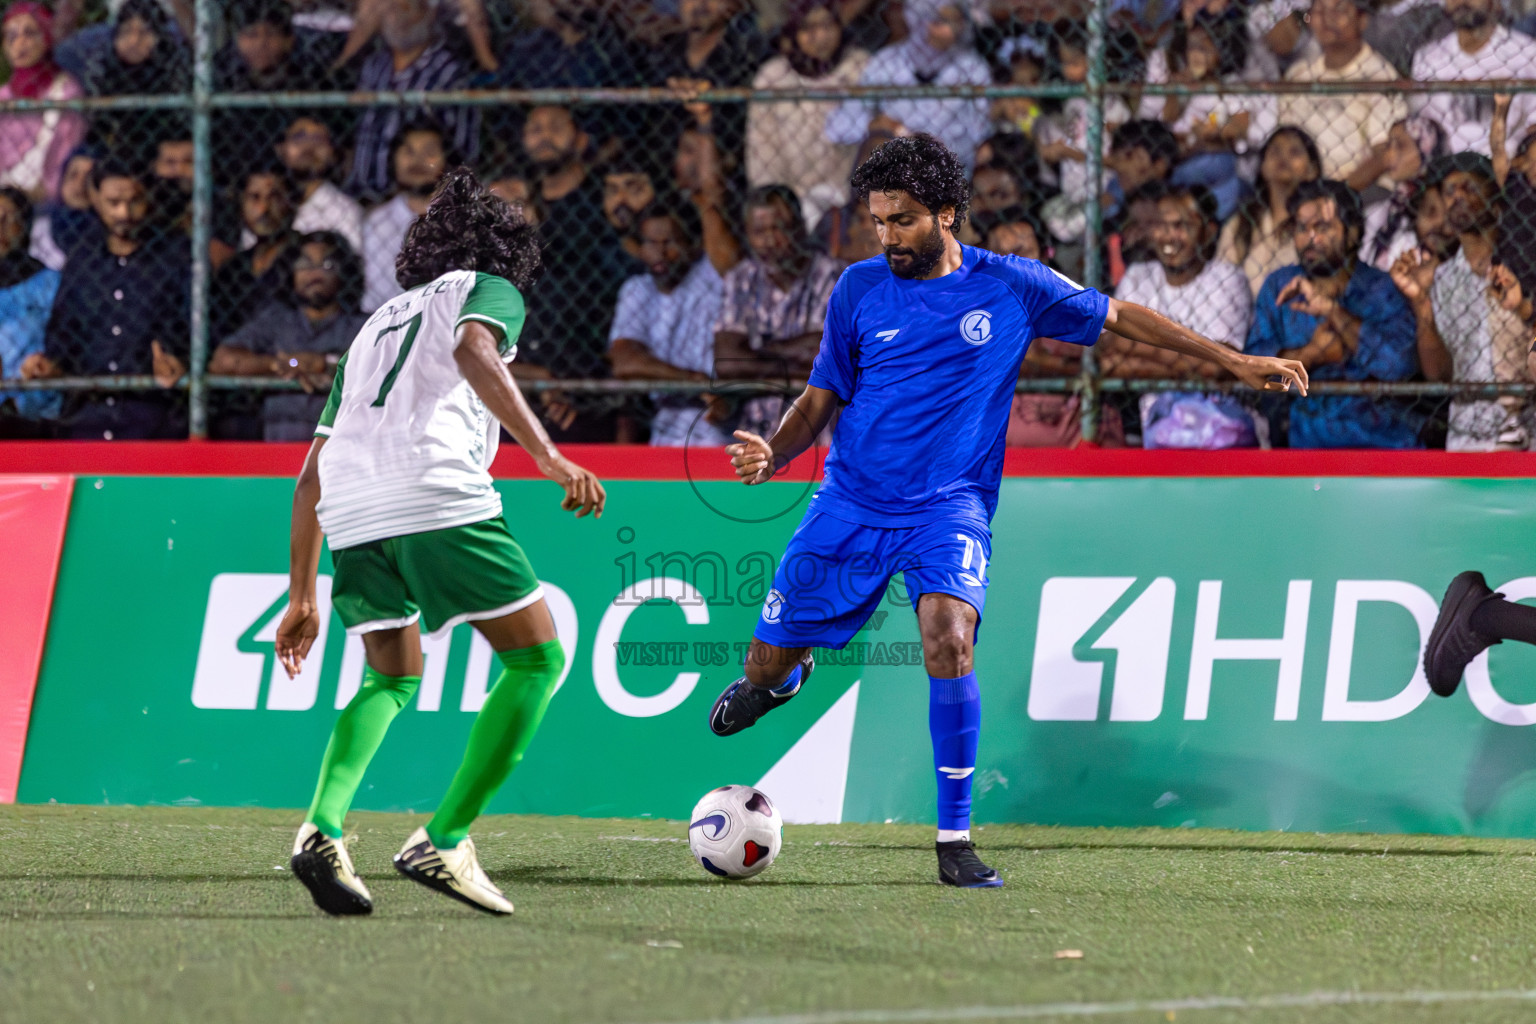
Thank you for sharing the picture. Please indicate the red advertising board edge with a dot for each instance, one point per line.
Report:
(639, 462)
(34, 512)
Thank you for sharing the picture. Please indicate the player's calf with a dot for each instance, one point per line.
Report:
(322, 864)
(742, 704)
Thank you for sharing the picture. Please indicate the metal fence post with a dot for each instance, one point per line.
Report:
(1094, 212)
(202, 218)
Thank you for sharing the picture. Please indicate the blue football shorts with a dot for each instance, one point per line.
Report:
(835, 573)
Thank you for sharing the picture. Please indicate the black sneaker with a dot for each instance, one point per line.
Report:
(742, 704)
(1453, 642)
(959, 866)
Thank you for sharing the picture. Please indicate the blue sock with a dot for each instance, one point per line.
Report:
(954, 722)
(788, 684)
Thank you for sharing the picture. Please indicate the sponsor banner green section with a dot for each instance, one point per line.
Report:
(1209, 653)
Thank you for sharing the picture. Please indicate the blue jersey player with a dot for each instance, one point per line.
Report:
(920, 353)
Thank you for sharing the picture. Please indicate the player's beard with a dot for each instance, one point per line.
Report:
(923, 259)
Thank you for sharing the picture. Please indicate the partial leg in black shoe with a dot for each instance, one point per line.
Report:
(1456, 638)
(959, 866)
(774, 675)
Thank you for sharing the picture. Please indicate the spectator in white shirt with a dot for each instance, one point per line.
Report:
(937, 51)
(308, 151)
(418, 158)
(1480, 49)
(1350, 128)
(1207, 295)
(663, 326)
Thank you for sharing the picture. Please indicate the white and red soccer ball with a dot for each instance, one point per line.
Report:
(735, 832)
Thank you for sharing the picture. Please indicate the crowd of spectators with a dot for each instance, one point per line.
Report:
(1376, 235)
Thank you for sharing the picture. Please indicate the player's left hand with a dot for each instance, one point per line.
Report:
(1256, 371)
(752, 458)
(300, 626)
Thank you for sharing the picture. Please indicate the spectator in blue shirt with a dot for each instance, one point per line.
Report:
(27, 289)
(1343, 320)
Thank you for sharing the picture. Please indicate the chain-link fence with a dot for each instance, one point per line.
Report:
(201, 202)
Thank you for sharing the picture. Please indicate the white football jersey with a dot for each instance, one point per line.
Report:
(408, 443)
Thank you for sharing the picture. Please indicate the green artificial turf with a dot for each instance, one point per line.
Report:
(167, 914)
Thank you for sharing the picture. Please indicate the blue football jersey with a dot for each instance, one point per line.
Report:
(927, 371)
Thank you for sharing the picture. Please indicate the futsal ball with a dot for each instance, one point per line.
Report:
(735, 832)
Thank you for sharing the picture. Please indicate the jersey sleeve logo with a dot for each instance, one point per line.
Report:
(976, 327)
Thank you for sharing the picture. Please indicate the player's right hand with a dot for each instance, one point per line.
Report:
(752, 458)
(300, 626)
(583, 491)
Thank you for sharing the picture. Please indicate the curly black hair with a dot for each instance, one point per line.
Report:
(921, 166)
(467, 228)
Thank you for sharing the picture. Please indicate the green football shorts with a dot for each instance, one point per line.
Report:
(442, 577)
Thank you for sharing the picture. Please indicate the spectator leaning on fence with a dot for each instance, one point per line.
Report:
(1350, 128)
(308, 154)
(411, 55)
(1481, 48)
(786, 141)
(1343, 320)
(1469, 309)
(1258, 238)
(33, 147)
(663, 328)
(937, 51)
(121, 308)
(27, 290)
(300, 336)
(1206, 295)
(418, 159)
(775, 303)
(1411, 144)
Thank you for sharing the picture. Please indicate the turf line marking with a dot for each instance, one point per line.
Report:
(1037, 1010)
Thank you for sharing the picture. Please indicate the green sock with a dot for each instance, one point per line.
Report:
(357, 734)
(502, 731)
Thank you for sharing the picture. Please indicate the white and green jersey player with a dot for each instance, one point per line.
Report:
(398, 479)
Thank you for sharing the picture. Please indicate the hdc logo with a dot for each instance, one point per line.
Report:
(1086, 622)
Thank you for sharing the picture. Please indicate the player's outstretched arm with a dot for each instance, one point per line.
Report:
(1138, 323)
(479, 361)
(756, 459)
(301, 622)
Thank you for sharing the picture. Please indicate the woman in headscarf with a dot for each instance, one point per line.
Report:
(66, 220)
(1412, 143)
(33, 147)
(145, 60)
(937, 51)
(787, 142)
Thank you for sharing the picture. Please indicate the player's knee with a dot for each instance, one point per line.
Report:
(401, 688)
(947, 653)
